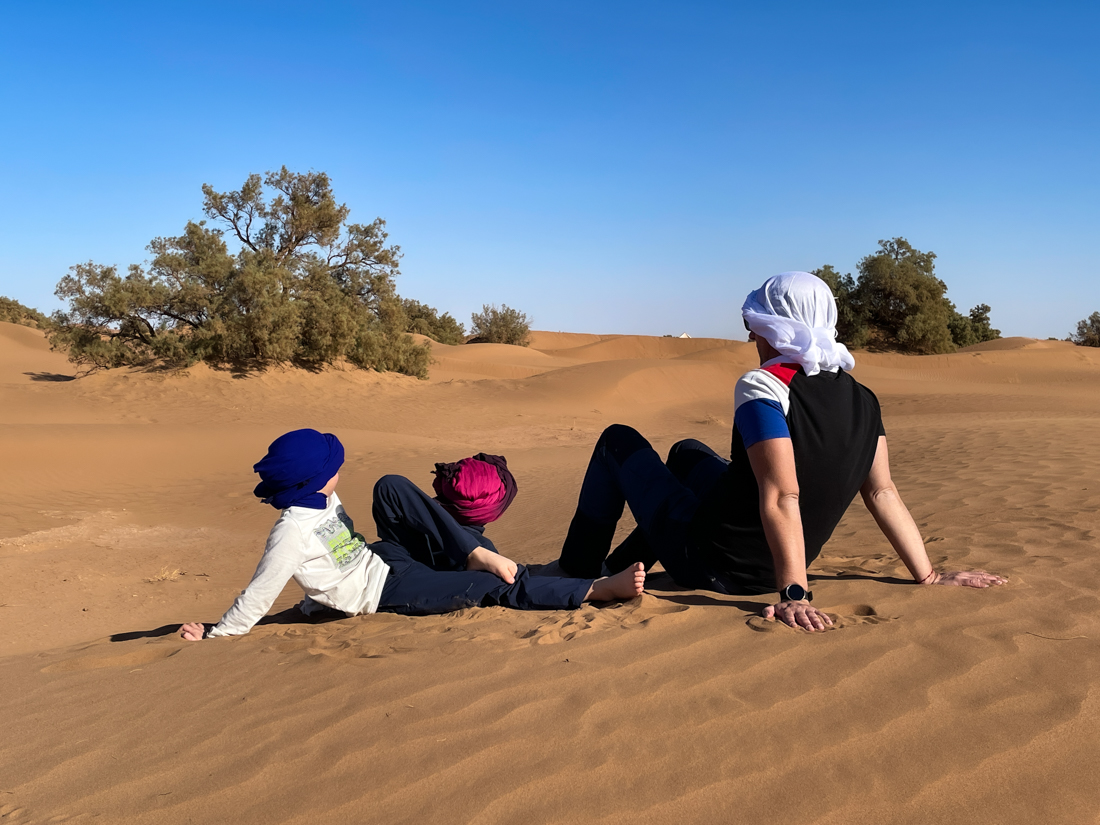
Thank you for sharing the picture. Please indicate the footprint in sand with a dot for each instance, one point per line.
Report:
(380, 636)
(843, 615)
(14, 813)
(136, 658)
(874, 564)
(555, 631)
(634, 613)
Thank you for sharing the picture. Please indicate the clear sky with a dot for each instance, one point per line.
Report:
(605, 167)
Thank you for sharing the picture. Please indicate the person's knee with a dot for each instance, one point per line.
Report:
(621, 442)
(685, 445)
(389, 487)
(686, 455)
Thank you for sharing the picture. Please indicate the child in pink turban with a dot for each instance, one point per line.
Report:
(475, 490)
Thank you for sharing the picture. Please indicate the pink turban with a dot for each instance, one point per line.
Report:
(475, 490)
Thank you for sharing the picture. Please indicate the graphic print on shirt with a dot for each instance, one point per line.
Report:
(339, 536)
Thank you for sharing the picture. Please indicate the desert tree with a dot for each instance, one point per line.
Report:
(425, 320)
(903, 299)
(275, 273)
(975, 328)
(851, 321)
(1088, 331)
(898, 303)
(14, 312)
(502, 325)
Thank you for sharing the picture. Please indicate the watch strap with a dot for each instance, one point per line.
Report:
(796, 593)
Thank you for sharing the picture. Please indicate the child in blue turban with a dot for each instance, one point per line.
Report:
(315, 543)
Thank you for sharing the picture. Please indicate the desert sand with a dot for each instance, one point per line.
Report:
(126, 509)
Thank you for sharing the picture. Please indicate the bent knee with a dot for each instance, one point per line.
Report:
(390, 485)
(685, 445)
(622, 441)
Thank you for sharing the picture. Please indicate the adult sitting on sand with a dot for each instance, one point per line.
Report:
(314, 542)
(806, 438)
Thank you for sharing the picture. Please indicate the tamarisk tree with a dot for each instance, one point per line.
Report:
(899, 303)
(275, 273)
(1088, 332)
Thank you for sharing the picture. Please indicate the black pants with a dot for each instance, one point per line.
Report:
(404, 513)
(663, 497)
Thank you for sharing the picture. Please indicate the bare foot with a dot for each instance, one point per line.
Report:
(485, 559)
(625, 585)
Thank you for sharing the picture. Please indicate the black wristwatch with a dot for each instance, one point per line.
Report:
(796, 593)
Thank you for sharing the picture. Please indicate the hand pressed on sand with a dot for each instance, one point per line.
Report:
(798, 614)
(192, 631)
(966, 578)
(482, 559)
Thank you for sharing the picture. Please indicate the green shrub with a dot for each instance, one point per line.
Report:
(899, 303)
(425, 320)
(304, 287)
(14, 312)
(500, 326)
(851, 321)
(1088, 331)
(903, 299)
(971, 329)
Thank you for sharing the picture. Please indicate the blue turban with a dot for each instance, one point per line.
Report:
(296, 466)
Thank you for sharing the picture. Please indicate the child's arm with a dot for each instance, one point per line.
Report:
(279, 562)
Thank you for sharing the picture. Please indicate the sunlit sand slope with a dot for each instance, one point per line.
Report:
(126, 508)
(25, 356)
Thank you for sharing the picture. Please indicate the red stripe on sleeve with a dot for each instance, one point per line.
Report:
(784, 372)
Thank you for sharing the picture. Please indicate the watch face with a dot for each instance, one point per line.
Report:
(794, 592)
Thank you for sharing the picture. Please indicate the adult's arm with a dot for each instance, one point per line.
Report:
(772, 462)
(893, 518)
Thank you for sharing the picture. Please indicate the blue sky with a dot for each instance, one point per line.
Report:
(605, 167)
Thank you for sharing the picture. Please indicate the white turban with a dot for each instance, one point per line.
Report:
(795, 312)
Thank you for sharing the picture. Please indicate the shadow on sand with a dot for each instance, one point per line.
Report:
(49, 376)
(292, 615)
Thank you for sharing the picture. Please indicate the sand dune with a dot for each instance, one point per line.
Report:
(25, 355)
(624, 347)
(126, 508)
(1000, 344)
(489, 361)
(545, 341)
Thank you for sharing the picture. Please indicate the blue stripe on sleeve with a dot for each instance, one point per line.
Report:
(759, 420)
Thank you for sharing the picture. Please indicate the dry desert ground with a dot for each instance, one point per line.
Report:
(126, 509)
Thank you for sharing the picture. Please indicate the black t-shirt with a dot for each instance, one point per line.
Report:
(834, 424)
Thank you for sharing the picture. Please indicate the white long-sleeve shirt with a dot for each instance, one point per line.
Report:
(321, 551)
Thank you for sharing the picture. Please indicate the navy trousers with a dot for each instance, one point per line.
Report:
(426, 550)
(406, 515)
(663, 497)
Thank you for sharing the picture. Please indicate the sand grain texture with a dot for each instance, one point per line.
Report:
(126, 507)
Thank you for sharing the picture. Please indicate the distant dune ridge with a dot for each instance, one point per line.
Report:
(126, 509)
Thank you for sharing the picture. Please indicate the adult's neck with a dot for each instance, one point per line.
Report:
(766, 351)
